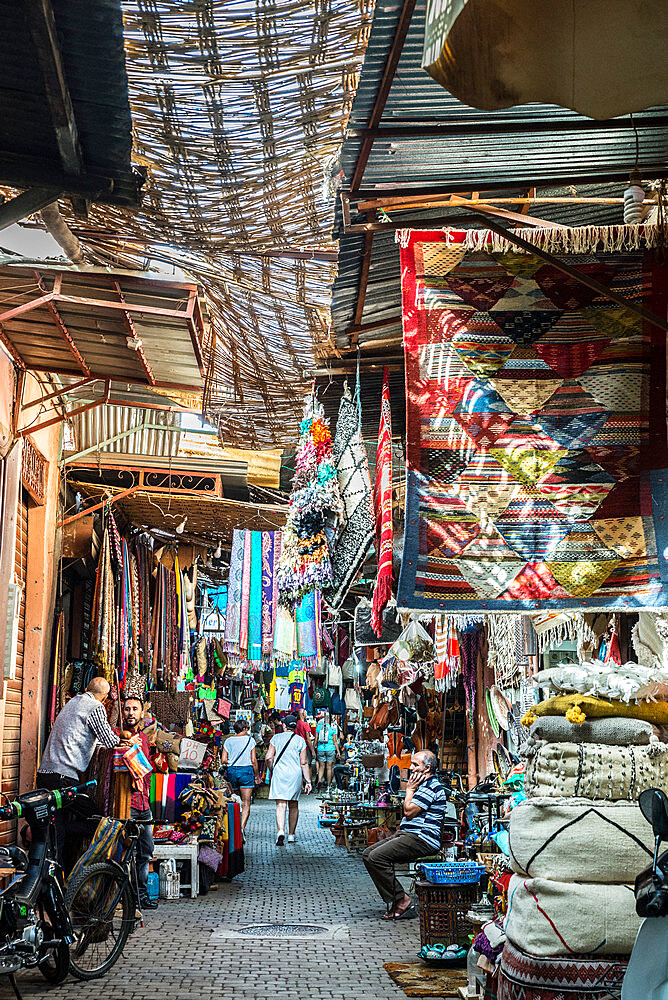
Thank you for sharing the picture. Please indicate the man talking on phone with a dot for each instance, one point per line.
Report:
(419, 835)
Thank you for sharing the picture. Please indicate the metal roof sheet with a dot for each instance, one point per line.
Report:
(500, 147)
(90, 37)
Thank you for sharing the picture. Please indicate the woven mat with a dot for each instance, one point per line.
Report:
(536, 437)
(419, 980)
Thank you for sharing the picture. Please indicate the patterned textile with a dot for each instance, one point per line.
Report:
(527, 977)
(267, 592)
(537, 444)
(355, 536)
(233, 619)
(245, 596)
(383, 503)
(255, 601)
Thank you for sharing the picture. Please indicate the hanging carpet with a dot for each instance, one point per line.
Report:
(536, 453)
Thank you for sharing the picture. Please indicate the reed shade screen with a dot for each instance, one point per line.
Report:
(210, 519)
(238, 110)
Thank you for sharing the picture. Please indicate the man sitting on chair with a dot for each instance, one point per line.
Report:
(419, 835)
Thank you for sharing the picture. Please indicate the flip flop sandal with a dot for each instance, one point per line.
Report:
(410, 913)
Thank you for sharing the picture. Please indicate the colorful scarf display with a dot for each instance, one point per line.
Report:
(255, 601)
(103, 632)
(383, 503)
(305, 563)
(355, 535)
(307, 617)
(233, 618)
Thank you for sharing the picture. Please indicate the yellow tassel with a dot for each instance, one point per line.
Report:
(528, 718)
(576, 715)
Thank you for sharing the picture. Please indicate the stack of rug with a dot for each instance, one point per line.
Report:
(576, 846)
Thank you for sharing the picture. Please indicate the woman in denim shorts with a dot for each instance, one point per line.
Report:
(242, 769)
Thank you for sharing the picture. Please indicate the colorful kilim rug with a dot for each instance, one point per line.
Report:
(536, 422)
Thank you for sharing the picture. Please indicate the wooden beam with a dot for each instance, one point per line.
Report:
(60, 323)
(504, 213)
(67, 414)
(387, 78)
(428, 201)
(376, 324)
(579, 276)
(30, 201)
(134, 336)
(45, 37)
(89, 510)
(439, 222)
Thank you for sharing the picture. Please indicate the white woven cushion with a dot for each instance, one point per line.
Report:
(595, 771)
(554, 839)
(571, 918)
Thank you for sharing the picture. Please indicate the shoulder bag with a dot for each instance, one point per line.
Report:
(282, 750)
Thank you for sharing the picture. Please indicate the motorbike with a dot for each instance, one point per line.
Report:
(35, 926)
(646, 976)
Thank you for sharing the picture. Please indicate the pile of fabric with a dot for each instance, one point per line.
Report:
(576, 845)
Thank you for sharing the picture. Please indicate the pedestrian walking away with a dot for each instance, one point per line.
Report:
(289, 767)
(239, 759)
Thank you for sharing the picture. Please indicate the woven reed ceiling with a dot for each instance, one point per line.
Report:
(209, 519)
(238, 111)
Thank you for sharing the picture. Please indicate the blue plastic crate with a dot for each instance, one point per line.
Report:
(453, 872)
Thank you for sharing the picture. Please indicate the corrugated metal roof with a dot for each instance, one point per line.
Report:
(481, 157)
(96, 426)
(90, 35)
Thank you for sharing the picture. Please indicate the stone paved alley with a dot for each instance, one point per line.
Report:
(182, 952)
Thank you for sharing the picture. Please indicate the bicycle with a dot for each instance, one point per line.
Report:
(35, 927)
(102, 902)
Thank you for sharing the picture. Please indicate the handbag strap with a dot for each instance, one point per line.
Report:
(284, 748)
(241, 753)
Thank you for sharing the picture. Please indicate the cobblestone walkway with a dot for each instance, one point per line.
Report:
(182, 953)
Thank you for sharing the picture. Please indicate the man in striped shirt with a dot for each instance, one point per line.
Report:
(78, 729)
(419, 835)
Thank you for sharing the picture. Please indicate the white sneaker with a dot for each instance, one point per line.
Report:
(291, 838)
(280, 839)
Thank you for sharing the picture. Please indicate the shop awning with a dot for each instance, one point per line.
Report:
(105, 326)
(598, 58)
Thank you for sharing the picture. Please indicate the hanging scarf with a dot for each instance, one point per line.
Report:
(267, 592)
(285, 636)
(469, 644)
(255, 601)
(103, 644)
(355, 535)
(245, 596)
(308, 629)
(441, 652)
(383, 503)
(233, 619)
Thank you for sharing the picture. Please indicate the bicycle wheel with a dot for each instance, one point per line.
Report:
(102, 911)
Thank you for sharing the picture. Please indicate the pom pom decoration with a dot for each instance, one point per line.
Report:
(576, 715)
(528, 719)
(305, 562)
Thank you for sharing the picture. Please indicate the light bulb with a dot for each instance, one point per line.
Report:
(219, 551)
(633, 200)
(180, 527)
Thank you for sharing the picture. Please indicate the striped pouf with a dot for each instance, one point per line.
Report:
(527, 977)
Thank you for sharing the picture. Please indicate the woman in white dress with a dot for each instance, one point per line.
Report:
(286, 757)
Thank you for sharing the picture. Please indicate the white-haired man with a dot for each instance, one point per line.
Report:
(78, 728)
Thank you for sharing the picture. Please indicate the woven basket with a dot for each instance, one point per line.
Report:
(443, 910)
